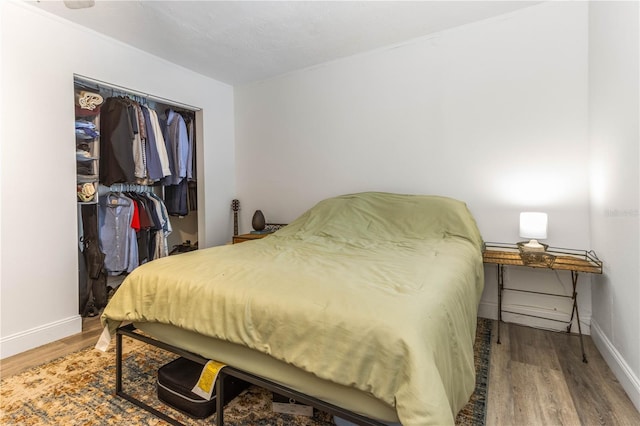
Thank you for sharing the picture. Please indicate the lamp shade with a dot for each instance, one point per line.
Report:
(533, 225)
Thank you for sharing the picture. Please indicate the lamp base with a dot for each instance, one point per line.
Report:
(533, 255)
(533, 245)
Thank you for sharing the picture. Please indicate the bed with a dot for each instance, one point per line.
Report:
(367, 301)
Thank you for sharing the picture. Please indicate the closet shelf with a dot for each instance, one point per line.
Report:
(80, 157)
(87, 178)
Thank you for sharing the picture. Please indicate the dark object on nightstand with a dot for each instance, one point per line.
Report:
(258, 221)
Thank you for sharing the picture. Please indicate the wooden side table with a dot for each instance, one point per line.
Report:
(248, 237)
(575, 261)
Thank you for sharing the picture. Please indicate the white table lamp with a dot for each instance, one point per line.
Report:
(533, 225)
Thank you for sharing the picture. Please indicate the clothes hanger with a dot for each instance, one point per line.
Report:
(115, 199)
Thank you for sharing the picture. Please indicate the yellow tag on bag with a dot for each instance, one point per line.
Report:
(207, 381)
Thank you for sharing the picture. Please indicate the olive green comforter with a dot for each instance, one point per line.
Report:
(377, 291)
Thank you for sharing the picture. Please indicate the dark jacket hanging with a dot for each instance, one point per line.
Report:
(116, 156)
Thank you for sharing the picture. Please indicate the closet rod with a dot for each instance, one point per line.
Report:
(100, 83)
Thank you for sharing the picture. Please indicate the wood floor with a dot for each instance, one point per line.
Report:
(536, 378)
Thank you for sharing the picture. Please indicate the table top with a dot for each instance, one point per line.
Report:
(245, 237)
(557, 258)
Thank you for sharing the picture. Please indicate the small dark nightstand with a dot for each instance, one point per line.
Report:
(563, 259)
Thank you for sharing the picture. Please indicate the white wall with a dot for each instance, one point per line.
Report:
(493, 113)
(615, 185)
(40, 54)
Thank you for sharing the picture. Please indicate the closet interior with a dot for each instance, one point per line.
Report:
(136, 184)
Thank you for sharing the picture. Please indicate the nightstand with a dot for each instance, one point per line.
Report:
(575, 261)
(248, 237)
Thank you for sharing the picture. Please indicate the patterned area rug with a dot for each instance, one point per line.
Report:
(79, 390)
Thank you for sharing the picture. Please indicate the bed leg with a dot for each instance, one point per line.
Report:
(118, 363)
(220, 399)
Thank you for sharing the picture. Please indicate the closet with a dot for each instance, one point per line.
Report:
(136, 184)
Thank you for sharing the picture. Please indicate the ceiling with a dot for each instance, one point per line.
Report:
(238, 42)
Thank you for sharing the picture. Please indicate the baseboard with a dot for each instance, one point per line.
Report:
(38, 336)
(488, 310)
(629, 381)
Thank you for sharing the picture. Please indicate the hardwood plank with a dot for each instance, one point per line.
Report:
(557, 407)
(527, 405)
(500, 403)
(533, 346)
(541, 396)
(585, 392)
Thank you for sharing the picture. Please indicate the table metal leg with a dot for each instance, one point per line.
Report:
(500, 287)
(574, 309)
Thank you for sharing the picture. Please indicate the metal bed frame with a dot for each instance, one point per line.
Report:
(130, 331)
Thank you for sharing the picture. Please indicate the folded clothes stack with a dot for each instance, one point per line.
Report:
(88, 103)
(86, 192)
(86, 130)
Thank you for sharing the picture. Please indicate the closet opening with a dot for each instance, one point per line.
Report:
(137, 186)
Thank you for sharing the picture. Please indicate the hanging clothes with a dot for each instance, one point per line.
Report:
(116, 156)
(139, 139)
(142, 227)
(179, 139)
(188, 118)
(177, 143)
(118, 240)
(161, 248)
(175, 198)
(161, 143)
(133, 148)
(155, 148)
(133, 229)
(192, 190)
